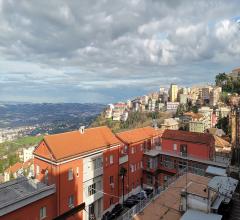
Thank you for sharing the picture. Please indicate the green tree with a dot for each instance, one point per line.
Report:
(223, 123)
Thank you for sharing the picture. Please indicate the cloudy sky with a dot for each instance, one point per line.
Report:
(104, 51)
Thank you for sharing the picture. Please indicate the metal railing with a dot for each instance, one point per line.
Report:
(156, 193)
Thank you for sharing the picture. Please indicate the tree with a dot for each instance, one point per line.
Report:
(122, 174)
(223, 124)
(221, 79)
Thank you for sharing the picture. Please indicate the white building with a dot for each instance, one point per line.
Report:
(207, 112)
(27, 153)
(116, 115)
(172, 106)
(124, 116)
(170, 123)
(151, 105)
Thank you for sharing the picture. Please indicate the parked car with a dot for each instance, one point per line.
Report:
(148, 191)
(141, 195)
(115, 212)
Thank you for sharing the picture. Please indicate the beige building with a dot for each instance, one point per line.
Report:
(207, 113)
(170, 123)
(215, 95)
(197, 122)
(173, 93)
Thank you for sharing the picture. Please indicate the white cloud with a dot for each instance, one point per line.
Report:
(111, 44)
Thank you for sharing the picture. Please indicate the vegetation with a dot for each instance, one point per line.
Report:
(135, 120)
(228, 84)
(8, 150)
(223, 123)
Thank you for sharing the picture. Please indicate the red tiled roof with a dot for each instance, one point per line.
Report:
(138, 134)
(73, 143)
(203, 138)
(27, 163)
(14, 168)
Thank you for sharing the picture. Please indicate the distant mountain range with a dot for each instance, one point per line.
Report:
(48, 116)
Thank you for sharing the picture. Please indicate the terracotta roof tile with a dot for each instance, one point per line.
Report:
(139, 134)
(73, 143)
(14, 168)
(27, 163)
(196, 137)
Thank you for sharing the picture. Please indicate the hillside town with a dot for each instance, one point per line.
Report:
(187, 167)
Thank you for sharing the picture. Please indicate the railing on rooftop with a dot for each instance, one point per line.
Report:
(157, 192)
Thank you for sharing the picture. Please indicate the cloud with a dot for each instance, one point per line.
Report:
(100, 47)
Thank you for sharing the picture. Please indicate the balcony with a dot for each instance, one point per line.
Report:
(123, 159)
(216, 161)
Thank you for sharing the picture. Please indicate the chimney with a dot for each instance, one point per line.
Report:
(81, 129)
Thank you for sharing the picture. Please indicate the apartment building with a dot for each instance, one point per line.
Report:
(173, 93)
(84, 166)
(80, 164)
(170, 123)
(136, 142)
(27, 199)
(208, 114)
(177, 150)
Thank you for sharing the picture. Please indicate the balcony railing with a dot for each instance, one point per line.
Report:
(216, 160)
(123, 159)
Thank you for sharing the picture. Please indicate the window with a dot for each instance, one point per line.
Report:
(92, 189)
(46, 177)
(111, 179)
(71, 201)
(97, 163)
(111, 159)
(141, 147)
(37, 170)
(77, 171)
(43, 212)
(131, 168)
(70, 174)
(132, 150)
(175, 147)
(141, 164)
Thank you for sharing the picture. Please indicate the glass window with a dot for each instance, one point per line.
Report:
(111, 179)
(46, 177)
(71, 201)
(92, 189)
(174, 146)
(70, 174)
(77, 171)
(111, 159)
(132, 150)
(97, 163)
(43, 212)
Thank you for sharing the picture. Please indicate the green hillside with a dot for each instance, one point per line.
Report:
(10, 148)
(135, 120)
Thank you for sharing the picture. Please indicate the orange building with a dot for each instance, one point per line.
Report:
(85, 166)
(76, 161)
(137, 141)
